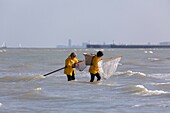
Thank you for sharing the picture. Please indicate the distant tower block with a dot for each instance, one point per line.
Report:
(69, 43)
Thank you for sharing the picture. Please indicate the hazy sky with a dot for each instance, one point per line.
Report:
(47, 23)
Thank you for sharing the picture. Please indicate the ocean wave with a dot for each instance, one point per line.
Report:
(161, 84)
(142, 90)
(39, 94)
(2, 50)
(130, 73)
(168, 58)
(148, 52)
(20, 78)
(154, 59)
(0, 104)
(165, 76)
(32, 96)
(38, 89)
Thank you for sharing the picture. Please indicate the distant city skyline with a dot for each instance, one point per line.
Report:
(44, 23)
(70, 44)
(83, 45)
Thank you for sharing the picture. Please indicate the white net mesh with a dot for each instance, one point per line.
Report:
(81, 66)
(108, 66)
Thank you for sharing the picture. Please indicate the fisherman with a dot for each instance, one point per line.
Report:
(70, 64)
(94, 70)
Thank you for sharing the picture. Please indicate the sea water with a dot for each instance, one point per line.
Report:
(140, 84)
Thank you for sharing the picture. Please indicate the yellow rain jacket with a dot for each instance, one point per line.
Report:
(94, 67)
(68, 63)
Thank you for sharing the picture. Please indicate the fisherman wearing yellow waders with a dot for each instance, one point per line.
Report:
(70, 64)
(94, 70)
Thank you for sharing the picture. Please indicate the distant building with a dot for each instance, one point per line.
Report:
(125, 46)
(164, 43)
(69, 43)
(84, 45)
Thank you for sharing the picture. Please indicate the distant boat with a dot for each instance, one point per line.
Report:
(4, 45)
(20, 46)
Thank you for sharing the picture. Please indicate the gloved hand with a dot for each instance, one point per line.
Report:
(74, 65)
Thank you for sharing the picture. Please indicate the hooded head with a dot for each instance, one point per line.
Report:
(73, 55)
(100, 54)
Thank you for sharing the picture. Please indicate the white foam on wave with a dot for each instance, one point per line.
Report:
(144, 91)
(150, 52)
(0, 104)
(38, 89)
(165, 76)
(137, 105)
(161, 84)
(38, 77)
(131, 73)
(153, 59)
(20, 78)
(2, 50)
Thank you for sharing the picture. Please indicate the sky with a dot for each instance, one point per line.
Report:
(47, 23)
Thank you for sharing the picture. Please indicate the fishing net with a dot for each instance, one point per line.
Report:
(108, 66)
(81, 66)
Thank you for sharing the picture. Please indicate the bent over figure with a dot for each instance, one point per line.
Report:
(70, 64)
